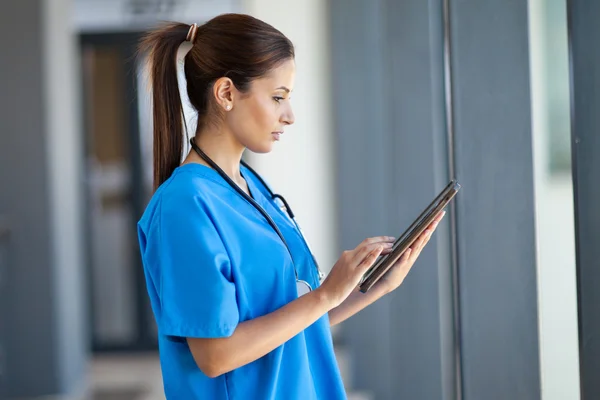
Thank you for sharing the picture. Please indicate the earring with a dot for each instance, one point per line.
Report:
(228, 107)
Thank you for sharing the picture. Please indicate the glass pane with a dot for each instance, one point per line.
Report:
(559, 358)
(110, 205)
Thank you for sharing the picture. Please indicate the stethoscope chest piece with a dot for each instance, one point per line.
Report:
(302, 287)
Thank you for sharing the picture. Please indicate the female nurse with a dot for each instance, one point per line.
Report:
(236, 293)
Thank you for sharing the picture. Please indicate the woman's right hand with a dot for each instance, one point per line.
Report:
(352, 265)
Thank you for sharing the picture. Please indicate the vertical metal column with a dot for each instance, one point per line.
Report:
(392, 160)
(496, 211)
(584, 33)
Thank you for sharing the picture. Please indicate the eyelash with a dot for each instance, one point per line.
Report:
(278, 99)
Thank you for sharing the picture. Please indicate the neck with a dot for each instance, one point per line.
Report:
(222, 148)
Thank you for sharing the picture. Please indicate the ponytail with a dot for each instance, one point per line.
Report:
(162, 45)
(238, 46)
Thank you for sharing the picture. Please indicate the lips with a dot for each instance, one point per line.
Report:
(277, 135)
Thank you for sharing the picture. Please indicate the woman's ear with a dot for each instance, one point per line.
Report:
(224, 92)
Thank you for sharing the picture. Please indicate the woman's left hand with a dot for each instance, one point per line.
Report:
(396, 274)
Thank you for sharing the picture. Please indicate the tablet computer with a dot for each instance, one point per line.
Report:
(411, 234)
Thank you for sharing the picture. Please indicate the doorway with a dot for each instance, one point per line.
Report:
(116, 194)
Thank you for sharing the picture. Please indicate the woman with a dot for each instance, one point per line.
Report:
(236, 293)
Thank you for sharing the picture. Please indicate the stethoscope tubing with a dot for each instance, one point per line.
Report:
(257, 206)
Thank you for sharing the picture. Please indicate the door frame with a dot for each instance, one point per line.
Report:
(144, 339)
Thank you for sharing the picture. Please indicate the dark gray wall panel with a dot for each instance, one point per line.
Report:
(421, 312)
(496, 225)
(585, 101)
(24, 199)
(44, 339)
(363, 195)
(389, 98)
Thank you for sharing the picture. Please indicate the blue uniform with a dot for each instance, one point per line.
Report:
(212, 261)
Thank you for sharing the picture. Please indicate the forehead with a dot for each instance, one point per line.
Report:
(281, 76)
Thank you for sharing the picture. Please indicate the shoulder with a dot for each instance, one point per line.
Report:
(192, 190)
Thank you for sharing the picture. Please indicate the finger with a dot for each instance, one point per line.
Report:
(423, 240)
(361, 252)
(368, 244)
(426, 233)
(433, 225)
(378, 239)
(406, 255)
(386, 250)
(368, 261)
(427, 238)
(387, 247)
(405, 258)
(420, 242)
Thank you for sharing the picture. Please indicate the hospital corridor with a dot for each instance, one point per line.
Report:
(391, 101)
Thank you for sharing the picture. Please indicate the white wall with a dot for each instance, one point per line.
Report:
(557, 296)
(64, 148)
(119, 15)
(64, 175)
(301, 167)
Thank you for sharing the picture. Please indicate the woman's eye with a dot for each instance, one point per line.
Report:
(277, 98)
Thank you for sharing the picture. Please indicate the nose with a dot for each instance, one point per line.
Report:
(288, 117)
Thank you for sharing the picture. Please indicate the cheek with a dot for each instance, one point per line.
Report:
(263, 116)
(269, 112)
(255, 121)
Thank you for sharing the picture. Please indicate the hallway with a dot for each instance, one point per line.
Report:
(137, 377)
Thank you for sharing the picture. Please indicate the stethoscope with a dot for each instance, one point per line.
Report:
(302, 286)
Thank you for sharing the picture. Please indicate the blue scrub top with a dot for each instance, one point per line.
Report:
(211, 261)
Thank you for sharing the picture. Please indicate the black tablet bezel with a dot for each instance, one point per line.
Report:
(409, 236)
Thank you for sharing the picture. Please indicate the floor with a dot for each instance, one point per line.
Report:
(138, 377)
(127, 377)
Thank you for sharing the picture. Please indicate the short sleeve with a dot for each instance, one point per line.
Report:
(195, 286)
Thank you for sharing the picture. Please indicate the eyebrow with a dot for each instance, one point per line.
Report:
(284, 88)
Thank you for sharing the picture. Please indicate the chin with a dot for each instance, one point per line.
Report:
(261, 148)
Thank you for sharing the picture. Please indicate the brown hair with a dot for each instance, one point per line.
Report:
(236, 46)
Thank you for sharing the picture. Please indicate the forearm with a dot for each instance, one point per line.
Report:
(254, 338)
(355, 303)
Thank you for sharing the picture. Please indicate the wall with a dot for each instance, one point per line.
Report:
(584, 32)
(64, 149)
(39, 167)
(389, 73)
(127, 15)
(392, 160)
(557, 296)
(301, 167)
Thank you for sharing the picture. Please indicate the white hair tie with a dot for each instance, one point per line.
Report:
(191, 36)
